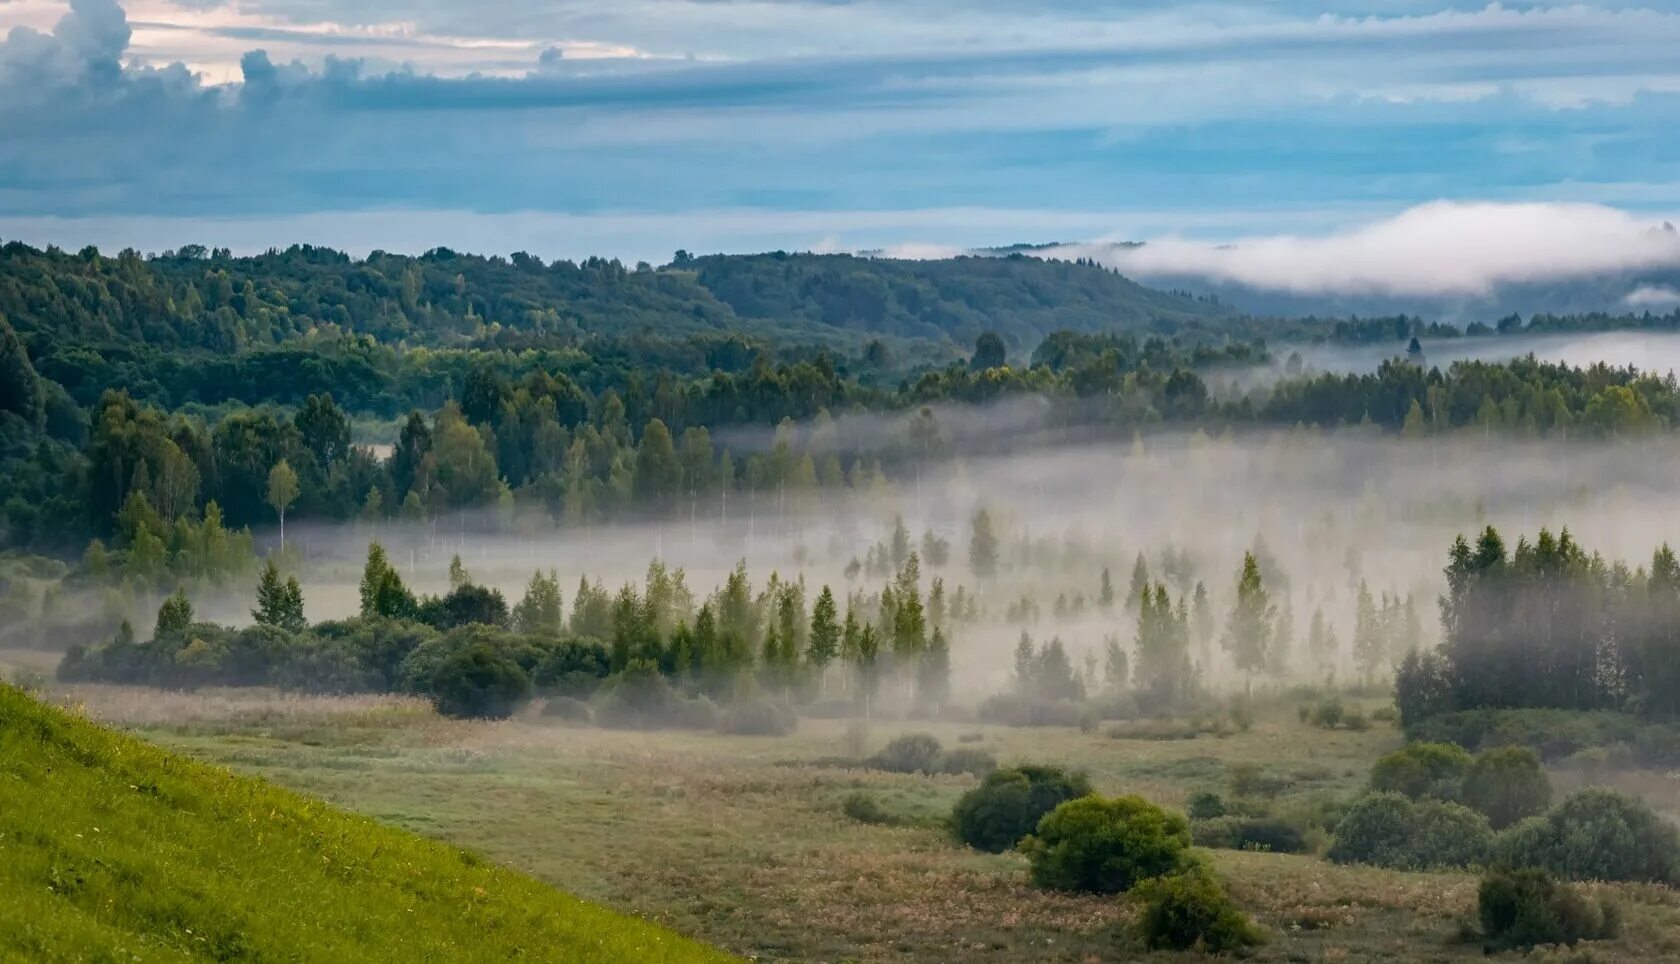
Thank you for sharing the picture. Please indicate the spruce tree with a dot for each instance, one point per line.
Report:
(1248, 633)
(982, 546)
(825, 635)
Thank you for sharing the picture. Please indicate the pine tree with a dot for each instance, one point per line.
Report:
(1248, 633)
(1140, 581)
(279, 604)
(540, 612)
(1369, 648)
(900, 542)
(174, 618)
(1117, 671)
(382, 591)
(868, 666)
(825, 635)
(1105, 595)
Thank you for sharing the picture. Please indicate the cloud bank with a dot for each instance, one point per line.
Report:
(1440, 249)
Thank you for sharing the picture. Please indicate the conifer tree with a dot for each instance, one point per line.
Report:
(279, 604)
(1248, 633)
(982, 546)
(933, 675)
(540, 612)
(174, 618)
(825, 635)
(1105, 595)
(1140, 582)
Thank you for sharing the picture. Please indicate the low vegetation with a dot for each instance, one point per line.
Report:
(107, 843)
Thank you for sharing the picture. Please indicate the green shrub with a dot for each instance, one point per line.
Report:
(1419, 770)
(1269, 834)
(1012, 709)
(1250, 780)
(1507, 784)
(479, 683)
(1522, 908)
(1106, 845)
(1445, 834)
(911, 753)
(864, 808)
(1596, 835)
(1205, 805)
(1009, 803)
(758, 718)
(641, 699)
(1388, 830)
(967, 760)
(1190, 910)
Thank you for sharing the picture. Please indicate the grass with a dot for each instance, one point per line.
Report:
(113, 849)
(743, 841)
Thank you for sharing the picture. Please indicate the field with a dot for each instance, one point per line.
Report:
(114, 850)
(742, 842)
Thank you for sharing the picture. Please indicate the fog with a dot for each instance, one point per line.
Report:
(1325, 511)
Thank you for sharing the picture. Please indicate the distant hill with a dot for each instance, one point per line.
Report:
(195, 298)
(112, 849)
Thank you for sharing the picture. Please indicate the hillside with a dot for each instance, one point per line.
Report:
(109, 846)
(211, 300)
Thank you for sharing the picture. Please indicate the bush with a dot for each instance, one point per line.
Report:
(1205, 805)
(1596, 835)
(641, 699)
(864, 808)
(1507, 784)
(479, 683)
(911, 753)
(568, 709)
(1552, 733)
(1106, 845)
(1419, 770)
(1388, 830)
(759, 718)
(1251, 780)
(1269, 834)
(1191, 910)
(968, 760)
(1009, 803)
(1522, 908)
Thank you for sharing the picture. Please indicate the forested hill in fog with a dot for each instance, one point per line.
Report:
(196, 298)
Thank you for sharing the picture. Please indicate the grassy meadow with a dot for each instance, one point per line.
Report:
(112, 849)
(744, 842)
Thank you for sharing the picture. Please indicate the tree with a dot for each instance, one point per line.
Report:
(868, 666)
(458, 575)
(539, 613)
(383, 594)
(933, 673)
(1248, 633)
(982, 546)
(282, 492)
(659, 472)
(1105, 594)
(174, 618)
(989, 352)
(20, 387)
(1010, 802)
(279, 604)
(825, 634)
(1140, 581)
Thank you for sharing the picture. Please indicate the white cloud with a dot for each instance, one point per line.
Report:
(1652, 296)
(1437, 249)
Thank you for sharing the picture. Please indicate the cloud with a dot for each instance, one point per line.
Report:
(1436, 249)
(1652, 297)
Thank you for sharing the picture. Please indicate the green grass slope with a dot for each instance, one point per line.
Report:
(112, 849)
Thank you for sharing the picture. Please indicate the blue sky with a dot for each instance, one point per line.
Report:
(634, 127)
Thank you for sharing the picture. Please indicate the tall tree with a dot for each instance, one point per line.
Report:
(1248, 633)
(982, 545)
(282, 492)
(825, 635)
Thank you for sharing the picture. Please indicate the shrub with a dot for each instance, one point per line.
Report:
(1009, 803)
(864, 808)
(911, 753)
(1106, 845)
(572, 667)
(568, 709)
(1507, 784)
(1190, 910)
(1205, 805)
(758, 718)
(1553, 733)
(1388, 830)
(1269, 834)
(1596, 835)
(1422, 770)
(967, 760)
(1251, 780)
(1522, 908)
(640, 698)
(1444, 834)
(479, 682)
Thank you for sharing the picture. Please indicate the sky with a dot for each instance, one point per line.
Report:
(631, 128)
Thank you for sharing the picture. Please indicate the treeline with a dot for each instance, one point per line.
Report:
(475, 655)
(1547, 624)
